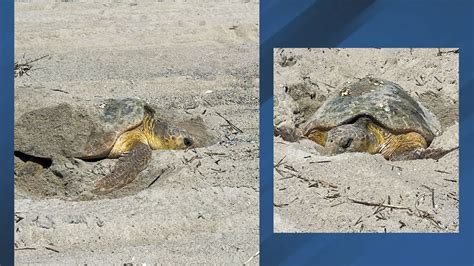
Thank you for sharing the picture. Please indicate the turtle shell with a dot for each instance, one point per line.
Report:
(383, 101)
(77, 131)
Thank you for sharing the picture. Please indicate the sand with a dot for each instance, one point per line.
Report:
(198, 58)
(342, 193)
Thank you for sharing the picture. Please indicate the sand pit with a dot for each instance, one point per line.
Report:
(359, 192)
(194, 60)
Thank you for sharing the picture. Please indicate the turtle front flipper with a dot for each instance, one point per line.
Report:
(434, 154)
(129, 165)
(400, 146)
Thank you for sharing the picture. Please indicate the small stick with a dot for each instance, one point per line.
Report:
(443, 172)
(18, 218)
(25, 248)
(230, 123)
(402, 224)
(52, 249)
(358, 221)
(23, 68)
(456, 51)
(191, 107)
(214, 153)
(426, 215)
(289, 167)
(187, 161)
(323, 183)
(432, 195)
(450, 195)
(279, 162)
(378, 209)
(60, 91)
(379, 204)
(251, 258)
(337, 195)
(197, 165)
(327, 161)
(37, 59)
(156, 178)
(418, 83)
(450, 180)
(281, 174)
(395, 166)
(380, 216)
(337, 204)
(284, 204)
(326, 84)
(218, 170)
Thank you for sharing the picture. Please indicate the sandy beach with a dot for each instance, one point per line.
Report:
(192, 58)
(359, 192)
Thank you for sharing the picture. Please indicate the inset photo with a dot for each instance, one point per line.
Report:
(366, 140)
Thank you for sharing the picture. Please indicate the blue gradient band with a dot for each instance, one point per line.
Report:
(6, 132)
(367, 23)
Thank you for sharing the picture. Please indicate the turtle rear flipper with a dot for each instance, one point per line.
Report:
(129, 165)
(434, 154)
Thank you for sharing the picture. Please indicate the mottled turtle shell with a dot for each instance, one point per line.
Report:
(77, 131)
(383, 101)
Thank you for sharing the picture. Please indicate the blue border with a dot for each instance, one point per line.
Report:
(6, 139)
(367, 23)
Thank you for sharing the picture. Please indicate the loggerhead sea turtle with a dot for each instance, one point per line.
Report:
(375, 116)
(128, 129)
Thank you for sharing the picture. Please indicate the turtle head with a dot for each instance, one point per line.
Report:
(349, 138)
(165, 136)
(162, 135)
(181, 139)
(180, 134)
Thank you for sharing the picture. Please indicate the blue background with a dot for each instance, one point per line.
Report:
(6, 132)
(367, 23)
(318, 23)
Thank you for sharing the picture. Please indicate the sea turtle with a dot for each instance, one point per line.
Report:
(375, 116)
(127, 129)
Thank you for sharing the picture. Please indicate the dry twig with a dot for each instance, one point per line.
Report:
(432, 195)
(325, 161)
(251, 258)
(52, 249)
(156, 178)
(230, 123)
(21, 69)
(455, 51)
(284, 204)
(443, 172)
(26, 248)
(379, 204)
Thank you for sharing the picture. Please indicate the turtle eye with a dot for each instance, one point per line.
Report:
(347, 143)
(188, 142)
